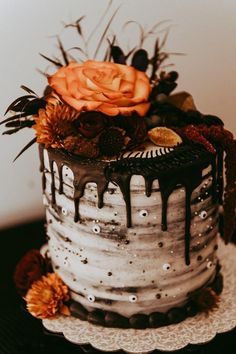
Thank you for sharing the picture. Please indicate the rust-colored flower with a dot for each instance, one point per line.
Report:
(90, 124)
(106, 87)
(47, 297)
(30, 268)
(136, 128)
(55, 123)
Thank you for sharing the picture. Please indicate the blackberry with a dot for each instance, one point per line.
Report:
(111, 141)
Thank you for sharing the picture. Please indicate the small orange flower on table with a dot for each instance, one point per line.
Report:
(47, 296)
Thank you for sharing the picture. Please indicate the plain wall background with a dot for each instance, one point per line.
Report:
(202, 29)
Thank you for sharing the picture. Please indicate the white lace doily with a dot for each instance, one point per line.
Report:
(196, 330)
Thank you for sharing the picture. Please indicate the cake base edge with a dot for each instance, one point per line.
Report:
(155, 319)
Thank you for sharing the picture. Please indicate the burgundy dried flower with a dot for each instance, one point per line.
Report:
(216, 134)
(135, 127)
(29, 269)
(193, 135)
(90, 124)
(225, 138)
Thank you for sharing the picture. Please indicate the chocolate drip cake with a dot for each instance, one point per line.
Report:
(133, 236)
(134, 195)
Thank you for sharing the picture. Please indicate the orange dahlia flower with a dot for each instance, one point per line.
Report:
(106, 87)
(46, 297)
(54, 123)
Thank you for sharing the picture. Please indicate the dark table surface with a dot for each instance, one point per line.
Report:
(20, 333)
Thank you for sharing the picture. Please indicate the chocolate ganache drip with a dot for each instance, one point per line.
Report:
(181, 167)
(83, 174)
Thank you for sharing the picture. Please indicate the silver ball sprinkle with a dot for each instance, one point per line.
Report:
(143, 213)
(66, 263)
(133, 298)
(203, 214)
(166, 266)
(91, 298)
(64, 211)
(209, 264)
(96, 229)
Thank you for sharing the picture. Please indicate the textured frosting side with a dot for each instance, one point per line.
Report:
(140, 269)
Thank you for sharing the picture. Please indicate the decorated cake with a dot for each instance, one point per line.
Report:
(134, 192)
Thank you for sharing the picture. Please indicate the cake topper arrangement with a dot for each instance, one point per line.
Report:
(102, 109)
(97, 108)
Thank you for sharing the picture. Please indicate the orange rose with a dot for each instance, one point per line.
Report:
(106, 87)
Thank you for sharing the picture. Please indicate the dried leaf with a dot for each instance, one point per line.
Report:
(76, 25)
(158, 24)
(33, 106)
(16, 102)
(98, 25)
(154, 61)
(105, 32)
(55, 62)
(63, 52)
(42, 72)
(26, 147)
(140, 60)
(29, 108)
(80, 50)
(27, 89)
(117, 55)
(13, 131)
(15, 117)
(130, 52)
(163, 42)
(77, 48)
(107, 55)
(20, 123)
(142, 34)
(182, 100)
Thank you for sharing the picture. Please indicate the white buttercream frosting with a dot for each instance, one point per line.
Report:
(140, 269)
